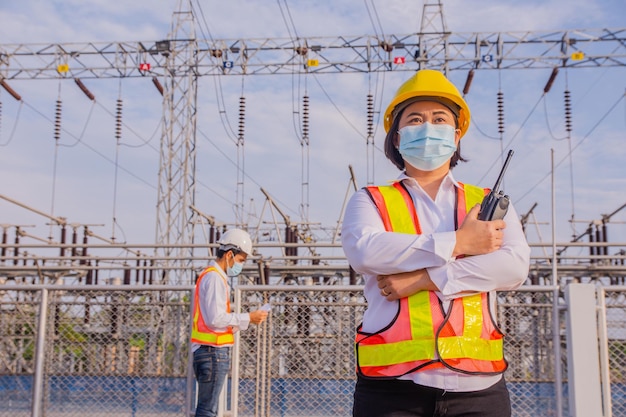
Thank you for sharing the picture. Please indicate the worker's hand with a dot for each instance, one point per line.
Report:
(477, 237)
(258, 316)
(396, 286)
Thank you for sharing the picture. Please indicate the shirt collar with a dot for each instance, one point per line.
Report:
(447, 181)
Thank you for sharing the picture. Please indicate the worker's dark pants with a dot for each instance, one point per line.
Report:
(400, 398)
(211, 365)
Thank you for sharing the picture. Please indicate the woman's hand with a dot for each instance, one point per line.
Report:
(478, 237)
(396, 286)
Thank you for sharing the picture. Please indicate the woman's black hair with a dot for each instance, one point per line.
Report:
(392, 153)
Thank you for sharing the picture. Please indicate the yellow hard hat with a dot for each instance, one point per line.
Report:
(428, 83)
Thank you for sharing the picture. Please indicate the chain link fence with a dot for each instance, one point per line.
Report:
(615, 307)
(123, 351)
(112, 352)
(304, 354)
(307, 358)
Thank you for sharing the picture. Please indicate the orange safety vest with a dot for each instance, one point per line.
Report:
(200, 332)
(466, 339)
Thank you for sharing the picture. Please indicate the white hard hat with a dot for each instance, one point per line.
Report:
(236, 239)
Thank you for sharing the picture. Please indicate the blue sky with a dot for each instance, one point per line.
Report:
(78, 179)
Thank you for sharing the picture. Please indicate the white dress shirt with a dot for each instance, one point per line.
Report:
(373, 251)
(213, 294)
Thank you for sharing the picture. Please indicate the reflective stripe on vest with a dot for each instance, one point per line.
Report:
(466, 339)
(200, 332)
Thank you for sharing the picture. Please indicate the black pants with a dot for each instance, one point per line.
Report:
(399, 398)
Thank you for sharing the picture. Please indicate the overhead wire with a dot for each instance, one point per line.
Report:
(288, 24)
(91, 148)
(593, 128)
(297, 84)
(217, 82)
(567, 137)
(146, 142)
(372, 18)
(547, 118)
(356, 129)
(206, 26)
(58, 144)
(371, 170)
(532, 110)
(224, 119)
(379, 87)
(15, 123)
(82, 133)
(476, 126)
(568, 110)
(221, 107)
(295, 75)
(251, 178)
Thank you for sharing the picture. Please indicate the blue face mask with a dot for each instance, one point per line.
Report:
(427, 146)
(235, 269)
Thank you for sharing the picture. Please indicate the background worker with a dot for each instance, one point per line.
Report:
(428, 344)
(213, 321)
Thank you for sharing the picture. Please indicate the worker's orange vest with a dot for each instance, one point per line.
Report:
(421, 335)
(200, 332)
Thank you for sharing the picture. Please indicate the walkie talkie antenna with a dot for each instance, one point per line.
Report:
(506, 164)
(495, 204)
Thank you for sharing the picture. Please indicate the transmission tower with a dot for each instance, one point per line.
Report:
(434, 33)
(177, 164)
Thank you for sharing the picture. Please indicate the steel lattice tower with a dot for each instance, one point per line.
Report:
(176, 189)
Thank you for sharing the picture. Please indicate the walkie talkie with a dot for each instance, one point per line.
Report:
(496, 204)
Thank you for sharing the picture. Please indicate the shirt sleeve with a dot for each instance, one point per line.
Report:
(504, 269)
(371, 250)
(213, 292)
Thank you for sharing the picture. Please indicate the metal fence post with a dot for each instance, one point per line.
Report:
(556, 326)
(236, 356)
(190, 399)
(39, 354)
(605, 373)
(583, 367)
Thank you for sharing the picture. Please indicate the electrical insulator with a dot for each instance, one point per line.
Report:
(157, 84)
(57, 120)
(10, 90)
(242, 116)
(468, 82)
(118, 120)
(305, 116)
(370, 115)
(548, 86)
(84, 89)
(568, 112)
(500, 112)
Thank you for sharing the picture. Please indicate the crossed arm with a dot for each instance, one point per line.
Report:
(474, 237)
(405, 263)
